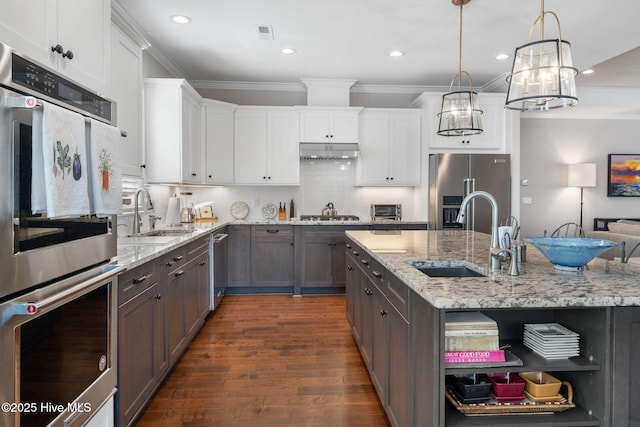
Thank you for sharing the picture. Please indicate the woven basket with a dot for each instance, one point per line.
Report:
(526, 406)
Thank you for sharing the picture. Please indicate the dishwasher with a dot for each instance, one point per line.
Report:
(219, 265)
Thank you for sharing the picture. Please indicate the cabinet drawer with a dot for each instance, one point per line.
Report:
(390, 286)
(175, 259)
(135, 281)
(197, 247)
(271, 231)
(398, 294)
(358, 256)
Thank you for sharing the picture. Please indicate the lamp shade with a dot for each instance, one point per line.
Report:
(542, 77)
(460, 114)
(581, 175)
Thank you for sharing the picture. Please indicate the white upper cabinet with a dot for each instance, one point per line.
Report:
(390, 147)
(329, 124)
(218, 141)
(127, 92)
(492, 139)
(173, 127)
(266, 148)
(192, 141)
(81, 29)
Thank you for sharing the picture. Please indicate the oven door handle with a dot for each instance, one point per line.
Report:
(31, 308)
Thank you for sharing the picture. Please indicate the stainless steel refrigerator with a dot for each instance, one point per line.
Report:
(452, 176)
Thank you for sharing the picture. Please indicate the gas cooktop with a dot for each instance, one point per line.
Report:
(329, 218)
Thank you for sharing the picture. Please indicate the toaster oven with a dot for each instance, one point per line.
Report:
(386, 212)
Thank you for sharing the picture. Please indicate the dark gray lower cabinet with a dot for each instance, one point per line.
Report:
(272, 256)
(352, 300)
(162, 305)
(305, 259)
(365, 320)
(425, 337)
(398, 367)
(626, 371)
(382, 334)
(142, 350)
(176, 322)
(204, 284)
(260, 258)
(320, 259)
(197, 286)
(239, 256)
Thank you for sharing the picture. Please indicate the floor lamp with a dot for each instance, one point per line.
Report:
(582, 175)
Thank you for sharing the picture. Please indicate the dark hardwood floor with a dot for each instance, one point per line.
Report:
(270, 361)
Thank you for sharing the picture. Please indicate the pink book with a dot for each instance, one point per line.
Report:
(474, 356)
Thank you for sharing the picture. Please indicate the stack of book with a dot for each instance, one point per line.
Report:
(471, 337)
(551, 340)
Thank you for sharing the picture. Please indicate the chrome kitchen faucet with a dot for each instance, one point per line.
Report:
(496, 253)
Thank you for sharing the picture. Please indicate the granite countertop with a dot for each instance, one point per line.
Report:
(298, 222)
(133, 252)
(604, 283)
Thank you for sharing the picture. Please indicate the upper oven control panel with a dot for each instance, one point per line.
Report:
(43, 81)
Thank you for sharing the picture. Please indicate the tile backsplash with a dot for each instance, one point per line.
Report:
(320, 182)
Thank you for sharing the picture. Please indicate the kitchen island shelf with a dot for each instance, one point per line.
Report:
(577, 417)
(601, 305)
(531, 362)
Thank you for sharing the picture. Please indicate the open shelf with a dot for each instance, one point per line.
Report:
(531, 361)
(571, 417)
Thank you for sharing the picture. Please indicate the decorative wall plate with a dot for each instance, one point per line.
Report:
(269, 211)
(239, 210)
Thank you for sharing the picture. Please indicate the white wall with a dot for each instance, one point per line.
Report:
(152, 68)
(547, 146)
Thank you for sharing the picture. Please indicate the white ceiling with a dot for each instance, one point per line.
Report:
(350, 39)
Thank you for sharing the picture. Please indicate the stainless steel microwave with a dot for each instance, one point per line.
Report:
(386, 212)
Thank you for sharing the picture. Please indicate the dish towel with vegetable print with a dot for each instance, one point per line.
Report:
(105, 146)
(59, 178)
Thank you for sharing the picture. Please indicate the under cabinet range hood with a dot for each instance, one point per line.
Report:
(331, 151)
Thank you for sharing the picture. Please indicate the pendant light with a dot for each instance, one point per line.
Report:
(543, 76)
(460, 112)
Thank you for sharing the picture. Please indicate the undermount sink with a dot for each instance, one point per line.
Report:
(167, 232)
(446, 269)
(156, 237)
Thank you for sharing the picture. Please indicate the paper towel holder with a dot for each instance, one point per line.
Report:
(173, 211)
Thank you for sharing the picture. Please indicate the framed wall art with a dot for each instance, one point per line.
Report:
(623, 175)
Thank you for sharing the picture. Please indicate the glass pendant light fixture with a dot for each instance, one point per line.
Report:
(460, 112)
(543, 76)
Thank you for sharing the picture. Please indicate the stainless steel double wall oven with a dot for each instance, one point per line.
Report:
(57, 286)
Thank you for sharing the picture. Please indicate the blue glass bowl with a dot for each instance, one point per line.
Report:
(570, 253)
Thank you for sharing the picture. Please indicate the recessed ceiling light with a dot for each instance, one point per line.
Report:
(396, 53)
(288, 51)
(181, 19)
(588, 71)
(502, 56)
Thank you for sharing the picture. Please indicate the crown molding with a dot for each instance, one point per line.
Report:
(370, 88)
(255, 86)
(300, 87)
(123, 20)
(130, 27)
(497, 84)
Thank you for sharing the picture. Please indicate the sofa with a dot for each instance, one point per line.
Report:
(622, 230)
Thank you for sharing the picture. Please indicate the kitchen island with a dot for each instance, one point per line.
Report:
(397, 316)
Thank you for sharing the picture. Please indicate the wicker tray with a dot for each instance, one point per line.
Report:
(525, 407)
